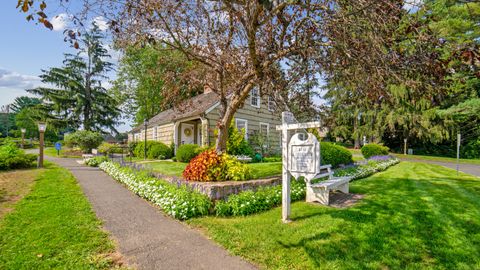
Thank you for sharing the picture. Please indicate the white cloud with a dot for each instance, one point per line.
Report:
(13, 84)
(60, 21)
(101, 23)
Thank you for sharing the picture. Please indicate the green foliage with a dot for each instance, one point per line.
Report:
(145, 83)
(159, 150)
(334, 154)
(235, 170)
(155, 150)
(186, 152)
(372, 149)
(250, 202)
(108, 148)
(237, 144)
(11, 157)
(54, 227)
(84, 139)
(78, 98)
(96, 161)
(272, 159)
(472, 149)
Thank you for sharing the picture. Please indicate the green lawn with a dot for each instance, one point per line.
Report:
(413, 216)
(51, 151)
(442, 159)
(54, 227)
(259, 170)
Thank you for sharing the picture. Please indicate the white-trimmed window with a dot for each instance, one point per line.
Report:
(264, 129)
(242, 124)
(255, 98)
(272, 105)
(155, 133)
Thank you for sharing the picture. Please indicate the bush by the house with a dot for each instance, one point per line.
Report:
(186, 152)
(334, 154)
(265, 198)
(179, 202)
(85, 140)
(372, 149)
(96, 161)
(374, 165)
(109, 148)
(237, 145)
(11, 157)
(155, 150)
(209, 166)
(159, 150)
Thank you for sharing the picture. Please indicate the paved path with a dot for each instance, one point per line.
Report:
(463, 167)
(146, 237)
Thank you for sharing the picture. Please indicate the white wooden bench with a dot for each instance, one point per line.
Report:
(88, 156)
(320, 192)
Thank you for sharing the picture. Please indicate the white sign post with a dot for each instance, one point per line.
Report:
(297, 158)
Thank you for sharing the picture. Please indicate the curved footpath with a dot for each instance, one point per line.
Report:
(463, 167)
(146, 237)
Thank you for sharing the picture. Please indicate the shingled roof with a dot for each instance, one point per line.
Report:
(189, 108)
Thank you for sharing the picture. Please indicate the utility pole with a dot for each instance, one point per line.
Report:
(405, 146)
(459, 138)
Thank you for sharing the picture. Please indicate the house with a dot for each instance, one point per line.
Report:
(195, 122)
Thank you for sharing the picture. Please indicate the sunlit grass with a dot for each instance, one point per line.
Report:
(413, 216)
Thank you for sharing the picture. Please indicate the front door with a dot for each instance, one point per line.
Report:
(187, 135)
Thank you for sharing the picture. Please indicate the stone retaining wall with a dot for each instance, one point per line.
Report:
(221, 190)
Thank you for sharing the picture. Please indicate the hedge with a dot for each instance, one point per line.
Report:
(334, 154)
(372, 149)
(186, 152)
(155, 150)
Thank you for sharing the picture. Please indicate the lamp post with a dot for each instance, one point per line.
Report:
(42, 126)
(145, 124)
(23, 137)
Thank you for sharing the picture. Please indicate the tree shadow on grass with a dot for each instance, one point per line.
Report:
(403, 223)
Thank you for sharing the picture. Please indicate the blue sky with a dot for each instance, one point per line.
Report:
(25, 49)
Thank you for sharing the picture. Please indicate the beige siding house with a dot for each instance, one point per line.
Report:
(196, 122)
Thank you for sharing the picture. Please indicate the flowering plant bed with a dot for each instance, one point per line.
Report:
(373, 165)
(177, 201)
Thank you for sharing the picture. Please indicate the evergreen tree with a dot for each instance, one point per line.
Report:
(77, 97)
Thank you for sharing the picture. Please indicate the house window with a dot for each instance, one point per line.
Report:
(155, 133)
(242, 124)
(255, 98)
(264, 129)
(272, 106)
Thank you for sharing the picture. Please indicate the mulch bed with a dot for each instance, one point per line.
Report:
(342, 200)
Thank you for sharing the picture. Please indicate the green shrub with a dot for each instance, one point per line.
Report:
(155, 150)
(186, 152)
(85, 140)
(372, 149)
(108, 148)
(235, 170)
(159, 150)
(272, 159)
(11, 157)
(96, 161)
(237, 145)
(334, 154)
(250, 202)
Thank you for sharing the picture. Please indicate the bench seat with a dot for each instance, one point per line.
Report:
(320, 192)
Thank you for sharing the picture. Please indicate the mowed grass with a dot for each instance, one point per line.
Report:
(441, 159)
(413, 216)
(53, 227)
(258, 170)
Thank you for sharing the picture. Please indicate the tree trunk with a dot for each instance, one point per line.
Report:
(357, 136)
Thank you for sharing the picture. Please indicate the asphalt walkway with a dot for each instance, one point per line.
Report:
(463, 167)
(146, 237)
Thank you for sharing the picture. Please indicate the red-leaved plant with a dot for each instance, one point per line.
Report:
(204, 167)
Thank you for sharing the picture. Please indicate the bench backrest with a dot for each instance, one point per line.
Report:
(325, 171)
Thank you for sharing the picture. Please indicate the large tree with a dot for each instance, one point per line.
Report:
(77, 97)
(146, 76)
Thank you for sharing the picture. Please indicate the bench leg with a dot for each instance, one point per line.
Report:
(318, 195)
(344, 188)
